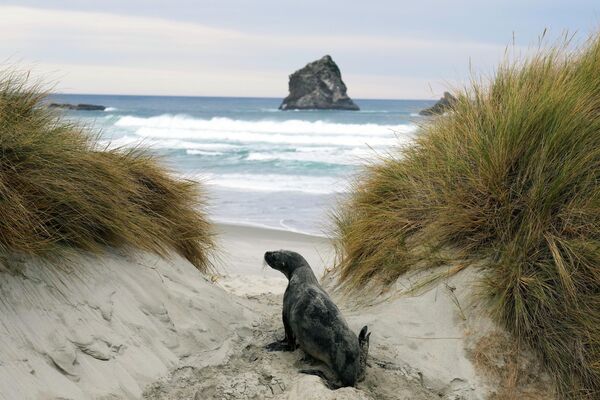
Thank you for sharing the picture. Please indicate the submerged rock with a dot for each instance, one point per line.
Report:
(318, 86)
(77, 107)
(444, 104)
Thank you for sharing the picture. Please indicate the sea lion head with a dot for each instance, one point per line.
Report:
(285, 261)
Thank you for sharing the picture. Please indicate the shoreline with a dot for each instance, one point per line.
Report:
(281, 228)
(239, 260)
(226, 227)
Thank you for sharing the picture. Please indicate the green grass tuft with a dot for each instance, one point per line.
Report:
(510, 179)
(60, 191)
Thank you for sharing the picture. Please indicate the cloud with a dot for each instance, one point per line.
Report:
(108, 53)
(145, 80)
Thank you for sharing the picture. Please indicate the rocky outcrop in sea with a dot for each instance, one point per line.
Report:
(444, 104)
(318, 86)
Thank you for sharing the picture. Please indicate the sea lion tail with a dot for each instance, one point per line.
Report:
(363, 343)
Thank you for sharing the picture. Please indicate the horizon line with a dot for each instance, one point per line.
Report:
(223, 97)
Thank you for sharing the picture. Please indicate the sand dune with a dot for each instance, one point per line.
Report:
(139, 326)
(418, 346)
(107, 327)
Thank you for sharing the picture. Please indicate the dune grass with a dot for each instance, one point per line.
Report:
(509, 180)
(59, 191)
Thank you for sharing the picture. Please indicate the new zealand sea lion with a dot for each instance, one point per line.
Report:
(314, 323)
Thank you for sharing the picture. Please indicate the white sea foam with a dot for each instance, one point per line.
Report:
(330, 155)
(203, 153)
(165, 130)
(110, 109)
(273, 138)
(277, 183)
(290, 140)
(327, 154)
(130, 141)
(226, 142)
(173, 124)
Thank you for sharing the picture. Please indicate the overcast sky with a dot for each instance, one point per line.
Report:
(385, 48)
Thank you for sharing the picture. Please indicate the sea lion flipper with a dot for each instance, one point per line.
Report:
(289, 334)
(289, 341)
(363, 343)
(280, 345)
(317, 372)
(363, 333)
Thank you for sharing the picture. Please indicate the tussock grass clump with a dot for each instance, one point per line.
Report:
(59, 191)
(510, 179)
(513, 371)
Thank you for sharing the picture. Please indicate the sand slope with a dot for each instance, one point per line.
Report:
(141, 327)
(418, 344)
(106, 327)
(250, 372)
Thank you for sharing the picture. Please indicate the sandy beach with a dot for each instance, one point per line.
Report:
(138, 326)
(239, 258)
(417, 348)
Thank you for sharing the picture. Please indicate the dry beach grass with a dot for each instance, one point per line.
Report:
(60, 191)
(509, 180)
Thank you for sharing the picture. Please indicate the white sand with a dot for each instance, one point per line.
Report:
(240, 257)
(106, 328)
(417, 346)
(111, 327)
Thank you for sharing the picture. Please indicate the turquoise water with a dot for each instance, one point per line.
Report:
(261, 166)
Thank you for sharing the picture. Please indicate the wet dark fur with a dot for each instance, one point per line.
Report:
(314, 323)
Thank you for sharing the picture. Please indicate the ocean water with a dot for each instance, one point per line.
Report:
(261, 166)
